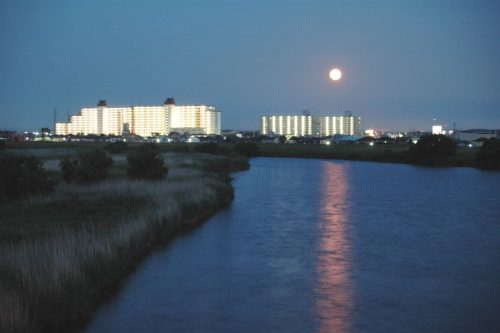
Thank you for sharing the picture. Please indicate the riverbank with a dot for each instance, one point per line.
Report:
(389, 153)
(386, 153)
(63, 252)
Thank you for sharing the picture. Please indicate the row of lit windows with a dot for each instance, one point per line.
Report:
(141, 119)
(303, 125)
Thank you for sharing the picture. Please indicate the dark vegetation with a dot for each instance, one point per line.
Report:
(357, 152)
(433, 150)
(23, 176)
(489, 155)
(444, 153)
(208, 148)
(62, 252)
(145, 163)
(248, 149)
(89, 167)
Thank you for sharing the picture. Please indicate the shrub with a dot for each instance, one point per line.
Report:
(2, 144)
(249, 149)
(22, 176)
(117, 147)
(433, 150)
(94, 166)
(69, 169)
(488, 156)
(146, 163)
(208, 148)
(89, 167)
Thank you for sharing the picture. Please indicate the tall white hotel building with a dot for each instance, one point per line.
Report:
(305, 124)
(143, 120)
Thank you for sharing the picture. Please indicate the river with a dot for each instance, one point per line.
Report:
(328, 246)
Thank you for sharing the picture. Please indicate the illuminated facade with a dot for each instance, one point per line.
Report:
(61, 127)
(343, 125)
(193, 118)
(311, 125)
(150, 120)
(287, 125)
(143, 120)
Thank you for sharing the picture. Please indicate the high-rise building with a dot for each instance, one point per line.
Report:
(143, 120)
(150, 120)
(189, 118)
(287, 125)
(61, 127)
(311, 125)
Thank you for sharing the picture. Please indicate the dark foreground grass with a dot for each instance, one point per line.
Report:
(62, 253)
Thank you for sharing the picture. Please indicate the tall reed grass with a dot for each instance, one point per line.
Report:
(61, 253)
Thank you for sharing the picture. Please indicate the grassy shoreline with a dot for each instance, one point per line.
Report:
(387, 153)
(62, 253)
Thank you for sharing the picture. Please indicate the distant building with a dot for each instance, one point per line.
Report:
(475, 134)
(195, 119)
(143, 120)
(287, 125)
(306, 124)
(437, 129)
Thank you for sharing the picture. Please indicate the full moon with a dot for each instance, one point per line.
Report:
(335, 74)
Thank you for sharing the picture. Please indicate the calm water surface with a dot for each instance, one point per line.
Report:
(328, 246)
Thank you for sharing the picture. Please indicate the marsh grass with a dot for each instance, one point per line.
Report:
(61, 253)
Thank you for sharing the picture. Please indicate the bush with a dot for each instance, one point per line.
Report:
(488, 156)
(89, 167)
(248, 149)
(208, 148)
(94, 166)
(69, 169)
(433, 150)
(117, 147)
(2, 144)
(145, 163)
(22, 176)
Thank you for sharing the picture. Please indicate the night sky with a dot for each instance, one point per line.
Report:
(404, 63)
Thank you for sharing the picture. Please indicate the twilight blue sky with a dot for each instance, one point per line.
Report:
(404, 62)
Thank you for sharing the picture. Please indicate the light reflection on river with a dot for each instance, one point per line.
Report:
(333, 287)
(328, 246)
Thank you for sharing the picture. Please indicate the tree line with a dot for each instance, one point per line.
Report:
(439, 150)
